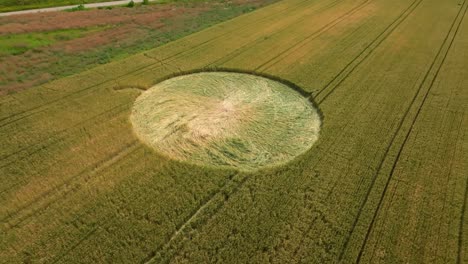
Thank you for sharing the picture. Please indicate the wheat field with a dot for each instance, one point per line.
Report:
(386, 180)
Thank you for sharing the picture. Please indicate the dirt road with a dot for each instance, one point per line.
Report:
(60, 8)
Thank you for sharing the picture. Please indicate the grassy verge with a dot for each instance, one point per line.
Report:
(14, 5)
(62, 52)
(17, 44)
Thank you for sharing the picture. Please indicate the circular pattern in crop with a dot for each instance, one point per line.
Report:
(225, 119)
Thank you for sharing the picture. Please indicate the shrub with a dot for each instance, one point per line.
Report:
(145, 2)
(77, 8)
(131, 4)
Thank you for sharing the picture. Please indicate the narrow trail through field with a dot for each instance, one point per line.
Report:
(29, 150)
(101, 226)
(346, 73)
(427, 84)
(462, 222)
(242, 49)
(330, 87)
(271, 62)
(153, 258)
(200, 216)
(14, 219)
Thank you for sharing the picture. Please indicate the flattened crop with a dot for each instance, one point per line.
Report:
(226, 119)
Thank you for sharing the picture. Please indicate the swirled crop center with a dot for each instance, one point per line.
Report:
(225, 119)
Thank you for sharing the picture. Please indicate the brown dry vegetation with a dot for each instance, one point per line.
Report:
(117, 32)
(144, 16)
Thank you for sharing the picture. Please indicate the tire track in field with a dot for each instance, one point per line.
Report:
(336, 81)
(460, 227)
(59, 135)
(321, 215)
(45, 144)
(40, 171)
(237, 185)
(450, 169)
(401, 148)
(252, 44)
(395, 135)
(115, 78)
(101, 225)
(389, 30)
(200, 216)
(67, 186)
(152, 257)
(312, 36)
(163, 62)
(304, 234)
(383, 36)
(84, 238)
(98, 226)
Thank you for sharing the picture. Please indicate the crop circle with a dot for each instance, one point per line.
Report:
(225, 119)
